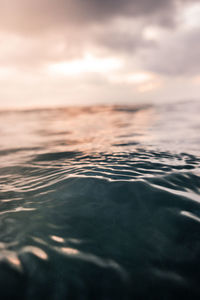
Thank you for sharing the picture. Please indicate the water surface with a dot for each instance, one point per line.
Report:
(100, 202)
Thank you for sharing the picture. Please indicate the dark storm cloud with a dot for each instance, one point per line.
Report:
(37, 15)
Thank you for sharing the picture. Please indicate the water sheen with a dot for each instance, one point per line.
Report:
(100, 203)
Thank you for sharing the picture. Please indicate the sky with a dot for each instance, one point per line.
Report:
(83, 52)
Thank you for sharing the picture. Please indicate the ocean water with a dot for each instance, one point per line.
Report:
(100, 203)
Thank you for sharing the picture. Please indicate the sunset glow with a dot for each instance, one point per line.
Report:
(86, 65)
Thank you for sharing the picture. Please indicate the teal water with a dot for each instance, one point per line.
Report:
(100, 203)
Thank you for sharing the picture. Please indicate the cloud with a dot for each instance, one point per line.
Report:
(38, 16)
(178, 55)
(143, 35)
(51, 29)
(117, 39)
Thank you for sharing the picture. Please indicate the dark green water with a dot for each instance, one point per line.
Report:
(100, 203)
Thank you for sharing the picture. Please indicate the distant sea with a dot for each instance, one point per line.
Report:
(100, 203)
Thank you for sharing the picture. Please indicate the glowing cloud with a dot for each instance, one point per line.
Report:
(88, 64)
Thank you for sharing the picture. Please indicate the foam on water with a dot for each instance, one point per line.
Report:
(100, 203)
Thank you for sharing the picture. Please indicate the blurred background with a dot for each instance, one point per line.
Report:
(66, 52)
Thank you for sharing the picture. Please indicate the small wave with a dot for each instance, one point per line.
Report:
(98, 203)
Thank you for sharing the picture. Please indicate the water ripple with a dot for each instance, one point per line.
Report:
(100, 203)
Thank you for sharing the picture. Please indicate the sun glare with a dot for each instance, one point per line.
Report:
(88, 64)
(151, 33)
